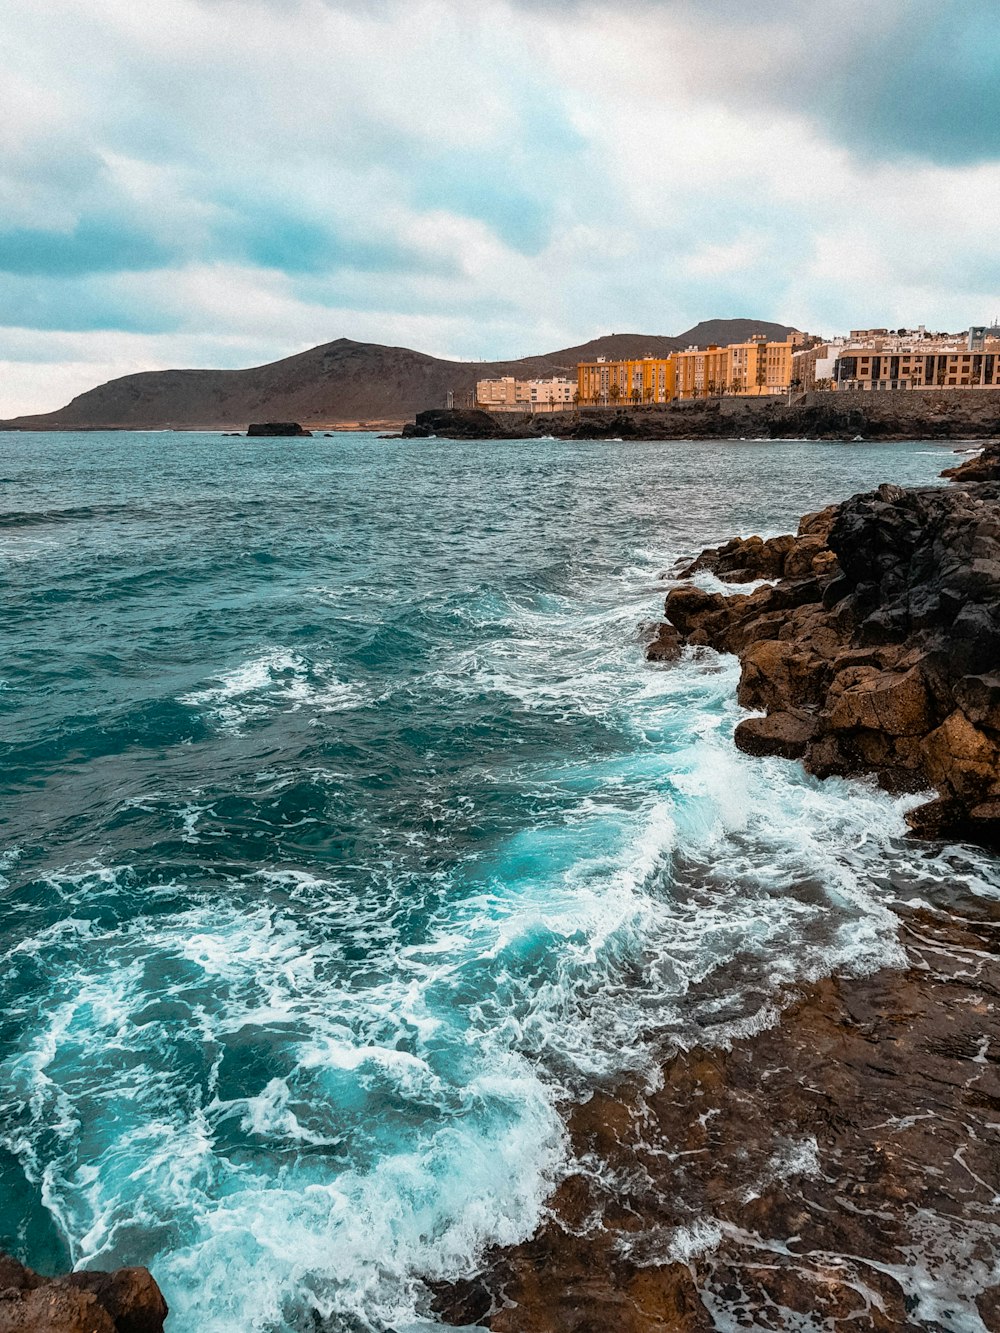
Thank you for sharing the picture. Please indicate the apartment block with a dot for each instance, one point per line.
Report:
(750, 369)
(888, 362)
(509, 394)
(603, 383)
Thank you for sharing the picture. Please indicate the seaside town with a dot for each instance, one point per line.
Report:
(883, 360)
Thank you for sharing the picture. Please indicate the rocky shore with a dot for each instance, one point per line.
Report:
(841, 1167)
(938, 414)
(874, 646)
(838, 1170)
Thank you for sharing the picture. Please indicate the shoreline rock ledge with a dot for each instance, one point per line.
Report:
(125, 1301)
(876, 647)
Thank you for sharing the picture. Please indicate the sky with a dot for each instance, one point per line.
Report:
(224, 182)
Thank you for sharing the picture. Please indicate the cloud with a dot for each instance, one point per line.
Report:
(227, 181)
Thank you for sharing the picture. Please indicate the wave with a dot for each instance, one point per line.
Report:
(14, 519)
(276, 679)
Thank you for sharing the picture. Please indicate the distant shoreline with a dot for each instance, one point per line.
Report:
(956, 414)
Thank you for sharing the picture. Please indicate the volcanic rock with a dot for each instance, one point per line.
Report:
(874, 645)
(125, 1301)
(811, 1175)
(277, 428)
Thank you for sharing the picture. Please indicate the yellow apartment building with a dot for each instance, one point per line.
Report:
(626, 383)
(703, 372)
(748, 369)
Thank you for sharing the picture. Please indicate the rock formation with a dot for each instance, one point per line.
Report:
(126, 1301)
(685, 1210)
(277, 428)
(876, 648)
(939, 414)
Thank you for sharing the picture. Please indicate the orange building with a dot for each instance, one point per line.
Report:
(626, 383)
(750, 369)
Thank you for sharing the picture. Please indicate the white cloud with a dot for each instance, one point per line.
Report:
(483, 180)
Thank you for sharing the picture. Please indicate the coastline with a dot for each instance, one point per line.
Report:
(954, 414)
(841, 1164)
(626, 1243)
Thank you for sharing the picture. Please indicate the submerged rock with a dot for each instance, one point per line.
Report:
(875, 647)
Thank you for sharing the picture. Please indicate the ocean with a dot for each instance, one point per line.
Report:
(347, 836)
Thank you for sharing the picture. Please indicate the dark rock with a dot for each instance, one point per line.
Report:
(784, 734)
(130, 1296)
(458, 425)
(882, 642)
(281, 428)
(983, 467)
(666, 647)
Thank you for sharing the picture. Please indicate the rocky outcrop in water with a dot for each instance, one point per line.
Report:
(126, 1301)
(875, 648)
(280, 428)
(984, 466)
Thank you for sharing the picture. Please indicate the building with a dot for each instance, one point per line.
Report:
(813, 367)
(635, 383)
(750, 369)
(508, 394)
(879, 361)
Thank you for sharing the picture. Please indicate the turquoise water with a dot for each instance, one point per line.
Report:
(345, 831)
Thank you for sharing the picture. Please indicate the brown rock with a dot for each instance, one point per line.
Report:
(819, 523)
(961, 758)
(784, 734)
(799, 560)
(15, 1277)
(666, 647)
(779, 675)
(125, 1301)
(53, 1308)
(898, 704)
(687, 607)
(882, 1077)
(979, 699)
(130, 1296)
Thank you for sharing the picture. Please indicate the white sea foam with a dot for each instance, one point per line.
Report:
(276, 680)
(270, 1115)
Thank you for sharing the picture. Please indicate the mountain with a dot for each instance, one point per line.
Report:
(342, 381)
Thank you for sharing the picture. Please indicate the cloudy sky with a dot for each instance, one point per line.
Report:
(222, 182)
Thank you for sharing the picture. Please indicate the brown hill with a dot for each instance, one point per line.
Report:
(337, 382)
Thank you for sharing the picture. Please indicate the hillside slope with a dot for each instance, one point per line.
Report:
(338, 381)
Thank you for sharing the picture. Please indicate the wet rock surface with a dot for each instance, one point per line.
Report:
(984, 466)
(125, 1301)
(841, 1168)
(838, 1170)
(873, 646)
